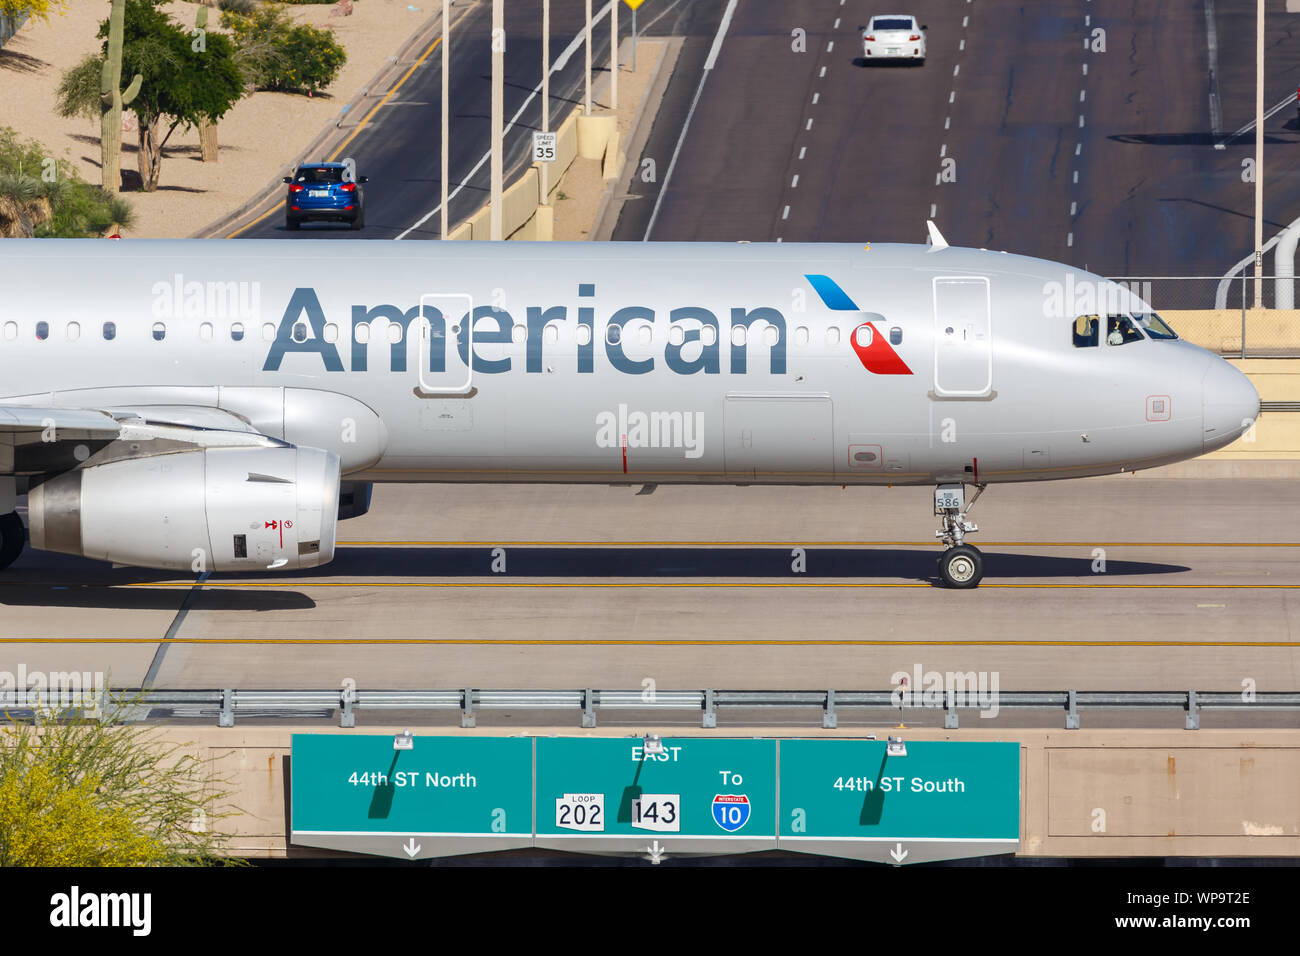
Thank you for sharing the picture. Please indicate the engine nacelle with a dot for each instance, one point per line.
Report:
(215, 509)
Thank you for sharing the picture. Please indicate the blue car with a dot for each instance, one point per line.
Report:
(325, 191)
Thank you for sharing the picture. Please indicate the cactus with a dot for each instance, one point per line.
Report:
(111, 100)
(207, 128)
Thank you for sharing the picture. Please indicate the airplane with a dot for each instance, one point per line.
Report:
(203, 405)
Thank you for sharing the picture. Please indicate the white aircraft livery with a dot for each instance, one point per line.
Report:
(211, 405)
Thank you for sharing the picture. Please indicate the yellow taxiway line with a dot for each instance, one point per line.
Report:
(309, 585)
(673, 642)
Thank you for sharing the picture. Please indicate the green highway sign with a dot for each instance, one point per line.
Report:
(697, 795)
(942, 800)
(443, 796)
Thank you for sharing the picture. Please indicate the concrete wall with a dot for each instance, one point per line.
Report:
(1220, 329)
(1084, 792)
(1277, 434)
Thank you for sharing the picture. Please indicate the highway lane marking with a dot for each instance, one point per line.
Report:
(802, 151)
(1290, 98)
(360, 126)
(617, 642)
(794, 183)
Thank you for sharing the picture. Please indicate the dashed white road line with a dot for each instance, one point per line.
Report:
(816, 97)
(794, 183)
(809, 126)
(802, 151)
(785, 213)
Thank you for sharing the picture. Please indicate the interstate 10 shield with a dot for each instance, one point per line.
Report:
(730, 811)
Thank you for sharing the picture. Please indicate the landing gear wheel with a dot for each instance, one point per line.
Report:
(961, 567)
(13, 536)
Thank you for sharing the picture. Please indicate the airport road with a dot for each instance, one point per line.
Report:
(1012, 135)
(400, 147)
(694, 587)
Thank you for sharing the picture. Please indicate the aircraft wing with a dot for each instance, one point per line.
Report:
(36, 439)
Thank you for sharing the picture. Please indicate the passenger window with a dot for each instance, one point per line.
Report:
(42, 331)
(237, 332)
(895, 336)
(709, 335)
(362, 332)
(551, 333)
(833, 335)
(613, 334)
(110, 331)
(645, 334)
(801, 336)
(1086, 328)
(11, 330)
(300, 332)
(73, 331)
(738, 334)
(394, 333)
(519, 333)
(583, 335)
(770, 335)
(268, 332)
(205, 331)
(159, 331)
(1120, 330)
(331, 333)
(863, 336)
(676, 335)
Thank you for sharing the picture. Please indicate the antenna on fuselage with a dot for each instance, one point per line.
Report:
(937, 241)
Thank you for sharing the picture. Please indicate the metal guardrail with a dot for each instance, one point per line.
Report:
(299, 704)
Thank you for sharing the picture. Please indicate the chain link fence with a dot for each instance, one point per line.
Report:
(1219, 313)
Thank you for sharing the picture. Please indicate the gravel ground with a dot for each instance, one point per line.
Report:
(258, 137)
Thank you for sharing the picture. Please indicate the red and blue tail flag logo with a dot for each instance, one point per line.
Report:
(869, 344)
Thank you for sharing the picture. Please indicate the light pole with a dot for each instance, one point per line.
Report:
(498, 112)
(1259, 155)
(613, 55)
(446, 55)
(546, 94)
(586, 103)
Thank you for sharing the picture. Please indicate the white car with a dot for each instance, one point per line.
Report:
(894, 37)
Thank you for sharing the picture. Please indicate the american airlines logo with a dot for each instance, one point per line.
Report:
(698, 344)
(636, 429)
(181, 298)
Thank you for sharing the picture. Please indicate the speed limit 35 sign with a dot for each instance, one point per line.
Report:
(544, 147)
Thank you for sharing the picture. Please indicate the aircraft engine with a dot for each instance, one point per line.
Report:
(214, 509)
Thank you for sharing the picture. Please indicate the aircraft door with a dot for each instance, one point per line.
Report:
(963, 337)
(445, 336)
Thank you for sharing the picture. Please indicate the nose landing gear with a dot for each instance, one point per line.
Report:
(961, 566)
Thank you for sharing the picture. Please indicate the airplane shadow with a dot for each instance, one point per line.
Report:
(81, 583)
(739, 562)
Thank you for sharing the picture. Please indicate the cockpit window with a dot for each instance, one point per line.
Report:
(1085, 331)
(1154, 326)
(1120, 330)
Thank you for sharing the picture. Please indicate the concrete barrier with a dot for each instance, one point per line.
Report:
(1084, 792)
(1267, 330)
(524, 212)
